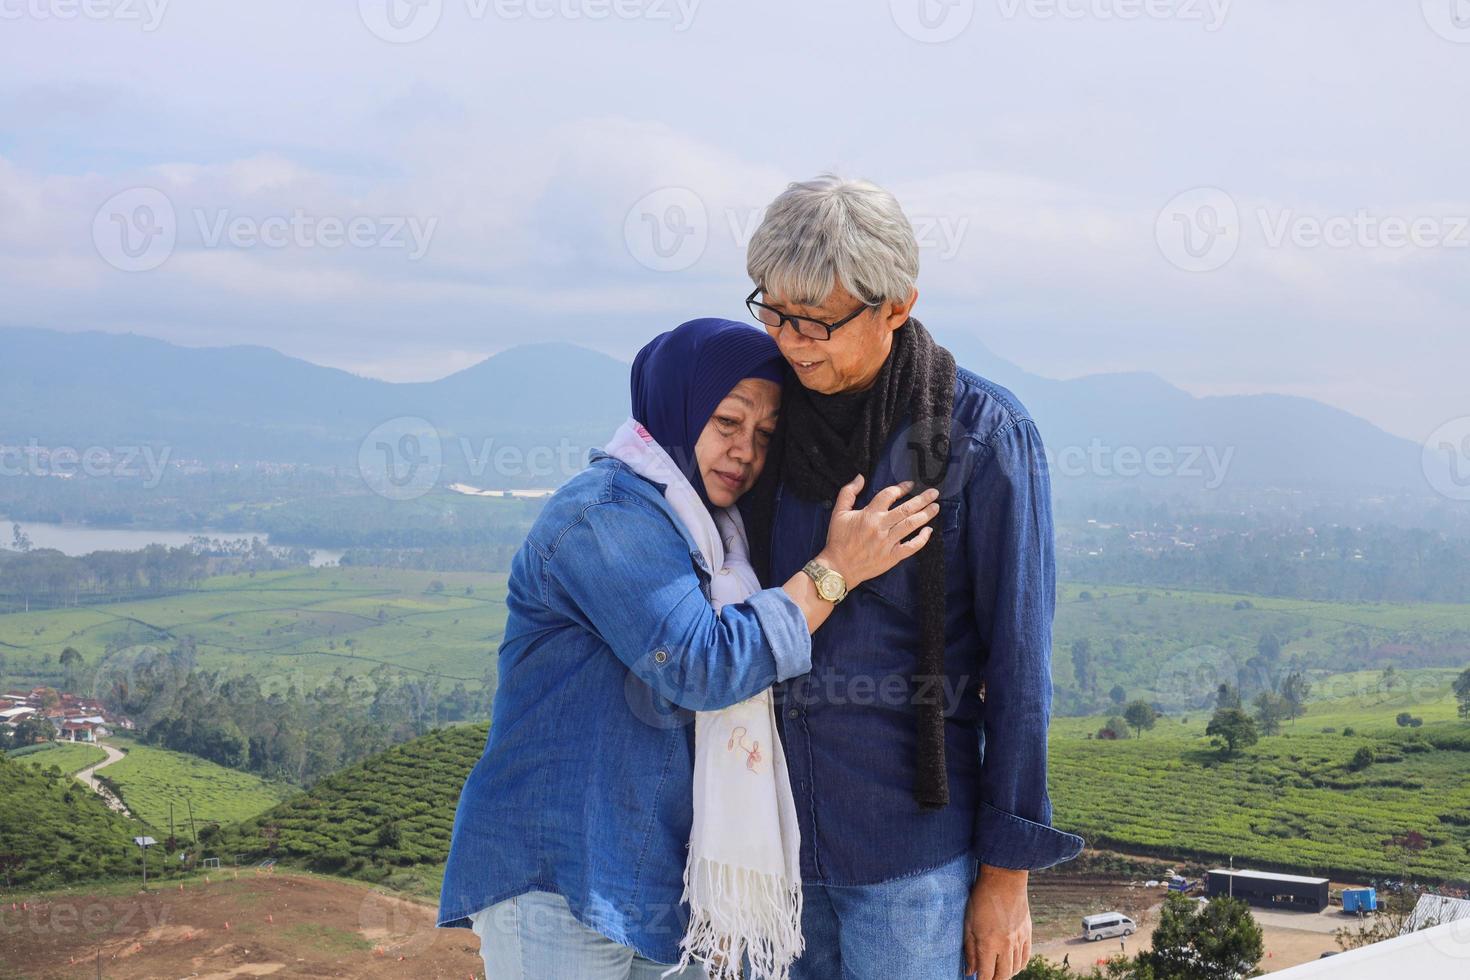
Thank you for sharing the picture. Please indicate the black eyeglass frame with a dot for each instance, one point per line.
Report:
(754, 307)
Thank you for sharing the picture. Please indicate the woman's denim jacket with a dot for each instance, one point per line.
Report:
(585, 785)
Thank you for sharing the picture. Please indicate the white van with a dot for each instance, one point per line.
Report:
(1106, 925)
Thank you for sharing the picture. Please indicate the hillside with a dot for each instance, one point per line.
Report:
(53, 830)
(1298, 801)
(70, 757)
(149, 779)
(284, 627)
(393, 811)
(1174, 646)
(233, 925)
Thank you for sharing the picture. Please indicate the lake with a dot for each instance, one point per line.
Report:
(82, 539)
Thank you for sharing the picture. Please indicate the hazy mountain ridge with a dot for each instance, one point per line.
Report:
(246, 402)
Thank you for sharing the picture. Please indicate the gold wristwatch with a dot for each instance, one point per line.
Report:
(830, 583)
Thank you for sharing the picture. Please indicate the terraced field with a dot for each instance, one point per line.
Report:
(284, 627)
(149, 779)
(70, 757)
(1174, 647)
(1293, 800)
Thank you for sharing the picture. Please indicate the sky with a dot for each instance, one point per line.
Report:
(1237, 195)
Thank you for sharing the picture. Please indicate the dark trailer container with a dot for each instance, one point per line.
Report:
(1269, 890)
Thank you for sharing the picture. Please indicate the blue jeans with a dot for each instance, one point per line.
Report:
(908, 928)
(535, 937)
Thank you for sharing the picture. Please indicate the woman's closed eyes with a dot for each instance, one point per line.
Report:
(729, 426)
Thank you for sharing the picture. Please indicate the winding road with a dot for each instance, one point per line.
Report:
(89, 776)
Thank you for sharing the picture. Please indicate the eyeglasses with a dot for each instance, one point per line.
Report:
(772, 318)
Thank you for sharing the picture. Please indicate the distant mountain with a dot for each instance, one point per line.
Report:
(222, 404)
(1279, 441)
(225, 404)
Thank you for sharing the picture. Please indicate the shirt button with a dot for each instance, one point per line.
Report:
(659, 656)
(793, 713)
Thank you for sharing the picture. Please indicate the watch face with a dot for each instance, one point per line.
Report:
(830, 587)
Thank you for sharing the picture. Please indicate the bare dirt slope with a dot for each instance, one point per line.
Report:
(281, 924)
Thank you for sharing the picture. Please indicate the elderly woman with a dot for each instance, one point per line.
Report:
(597, 809)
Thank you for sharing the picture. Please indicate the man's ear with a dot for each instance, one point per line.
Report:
(899, 312)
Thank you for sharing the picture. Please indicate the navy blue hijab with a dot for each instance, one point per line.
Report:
(682, 375)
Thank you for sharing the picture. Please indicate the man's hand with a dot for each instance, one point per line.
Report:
(998, 924)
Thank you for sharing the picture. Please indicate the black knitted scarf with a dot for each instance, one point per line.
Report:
(824, 441)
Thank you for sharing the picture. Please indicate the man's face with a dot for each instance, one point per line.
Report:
(851, 359)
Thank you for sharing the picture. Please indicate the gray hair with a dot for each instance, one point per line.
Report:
(830, 230)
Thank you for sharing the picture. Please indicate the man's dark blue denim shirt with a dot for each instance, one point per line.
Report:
(848, 727)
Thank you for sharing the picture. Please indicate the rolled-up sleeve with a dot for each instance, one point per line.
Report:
(1010, 540)
(627, 573)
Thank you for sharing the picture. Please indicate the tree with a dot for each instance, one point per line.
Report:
(1220, 941)
(1271, 708)
(1227, 696)
(32, 729)
(1461, 687)
(1263, 665)
(72, 665)
(1116, 968)
(10, 865)
(1295, 690)
(1117, 694)
(1114, 727)
(1269, 647)
(1141, 715)
(1082, 669)
(1231, 729)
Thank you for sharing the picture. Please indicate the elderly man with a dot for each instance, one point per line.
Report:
(916, 746)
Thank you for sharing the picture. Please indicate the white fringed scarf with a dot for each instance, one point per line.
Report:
(742, 879)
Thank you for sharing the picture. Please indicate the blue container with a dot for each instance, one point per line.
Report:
(1359, 900)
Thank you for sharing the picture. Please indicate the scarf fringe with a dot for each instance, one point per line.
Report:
(736, 912)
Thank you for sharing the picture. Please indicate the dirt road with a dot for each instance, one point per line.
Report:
(89, 776)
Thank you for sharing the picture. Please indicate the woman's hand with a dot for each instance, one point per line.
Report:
(863, 544)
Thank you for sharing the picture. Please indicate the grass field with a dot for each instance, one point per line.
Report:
(1293, 800)
(150, 778)
(1174, 647)
(298, 626)
(70, 757)
(285, 627)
